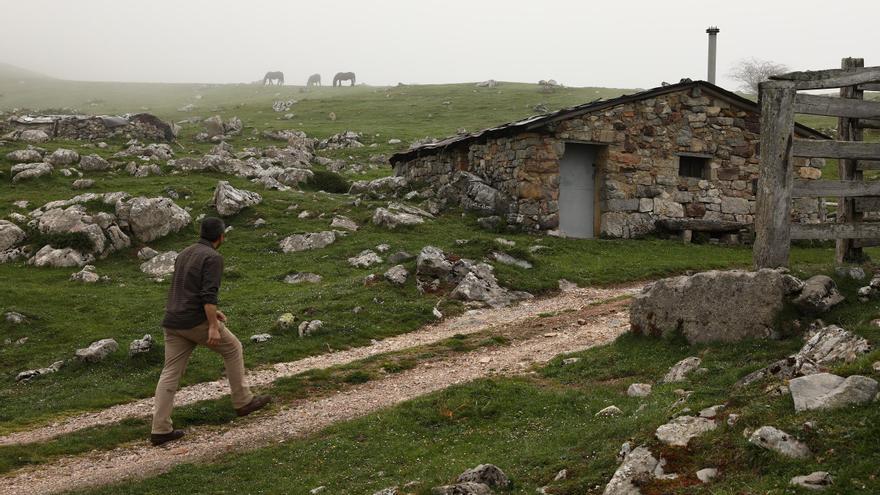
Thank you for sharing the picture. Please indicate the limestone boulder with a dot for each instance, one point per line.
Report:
(709, 306)
(33, 136)
(66, 257)
(638, 467)
(293, 177)
(152, 218)
(469, 488)
(87, 275)
(229, 200)
(213, 126)
(11, 235)
(818, 296)
(639, 390)
(92, 163)
(341, 222)
(432, 262)
(365, 259)
(307, 328)
(28, 155)
(27, 171)
(63, 157)
(827, 391)
(28, 375)
(161, 265)
(142, 345)
(391, 220)
(97, 351)
(305, 242)
(817, 480)
(482, 286)
(397, 275)
(488, 474)
(681, 430)
(303, 277)
(771, 438)
(681, 369)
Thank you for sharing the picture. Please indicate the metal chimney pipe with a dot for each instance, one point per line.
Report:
(713, 40)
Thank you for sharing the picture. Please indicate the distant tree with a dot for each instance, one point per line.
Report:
(752, 71)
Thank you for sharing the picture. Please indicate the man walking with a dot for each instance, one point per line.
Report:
(191, 319)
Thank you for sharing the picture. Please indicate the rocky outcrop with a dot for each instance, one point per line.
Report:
(229, 200)
(693, 305)
(379, 188)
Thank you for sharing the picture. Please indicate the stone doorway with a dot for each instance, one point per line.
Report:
(577, 190)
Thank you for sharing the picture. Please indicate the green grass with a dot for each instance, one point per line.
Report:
(533, 427)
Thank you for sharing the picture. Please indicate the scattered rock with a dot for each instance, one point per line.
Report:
(11, 235)
(680, 370)
(638, 467)
(92, 163)
(853, 272)
(62, 157)
(384, 217)
(307, 328)
(229, 200)
(505, 242)
(33, 136)
(83, 183)
(213, 126)
(707, 475)
(87, 275)
(777, 440)
(487, 474)
(682, 429)
(304, 242)
(711, 412)
(610, 411)
(342, 222)
(141, 346)
(151, 218)
(26, 171)
(690, 304)
(31, 374)
(827, 391)
(507, 259)
(15, 318)
(397, 275)
(161, 265)
(302, 277)
(468, 488)
(97, 351)
(147, 253)
(399, 257)
(67, 257)
(365, 259)
(260, 338)
(639, 390)
(570, 360)
(818, 296)
(392, 490)
(285, 321)
(27, 155)
(732, 418)
(817, 480)
(561, 475)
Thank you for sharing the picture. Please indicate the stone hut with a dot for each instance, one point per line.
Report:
(681, 157)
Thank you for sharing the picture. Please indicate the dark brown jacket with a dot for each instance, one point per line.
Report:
(196, 281)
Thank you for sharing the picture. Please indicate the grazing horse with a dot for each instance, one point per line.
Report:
(314, 80)
(276, 76)
(343, 76)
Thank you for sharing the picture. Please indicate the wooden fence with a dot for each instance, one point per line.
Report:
(780, 101)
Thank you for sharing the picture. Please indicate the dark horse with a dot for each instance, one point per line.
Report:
(314, 80)
(343, 76)
(276, 76)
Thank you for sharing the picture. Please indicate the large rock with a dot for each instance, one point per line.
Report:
(365, 259)
(482, 286)
(33, 136)
(638, 467)
(682, 429)
(819, 295)
(10, 235)
(27, 171)
(817, 480)
(87, 275)
(213, 126)
(93, 163)
(28, 155)
(152, 218)
(389, 219)
(432, 262)
(488, 474)
(341, 222)
(304, 242)
(97, 351)
(229, 200)
(63, 157)
(779, 441)
(397, 275)
(295, 176)
(67, 257)
(161, 265)
(714, 306)
(827, 391)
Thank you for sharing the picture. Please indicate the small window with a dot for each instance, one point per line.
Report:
(692, 166)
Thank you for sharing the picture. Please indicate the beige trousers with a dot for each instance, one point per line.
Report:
(179, 345)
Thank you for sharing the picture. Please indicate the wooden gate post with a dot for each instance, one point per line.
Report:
(847, 130)
(773, 198)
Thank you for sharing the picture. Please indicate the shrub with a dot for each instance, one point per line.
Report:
(328, 181)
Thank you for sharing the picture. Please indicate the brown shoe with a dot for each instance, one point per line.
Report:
(256, 403)
(158, 439)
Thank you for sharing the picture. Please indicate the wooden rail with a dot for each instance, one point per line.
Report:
(836, 107)
(802, 188)
(853, 150)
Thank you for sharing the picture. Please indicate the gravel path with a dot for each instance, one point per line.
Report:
(602, 324)
(470, 322)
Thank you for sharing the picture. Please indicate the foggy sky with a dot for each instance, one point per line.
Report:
(626, 43)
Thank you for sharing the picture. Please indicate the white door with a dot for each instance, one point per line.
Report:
(577, 175)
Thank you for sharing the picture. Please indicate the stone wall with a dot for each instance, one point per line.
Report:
(142, 126)
(637, 169)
